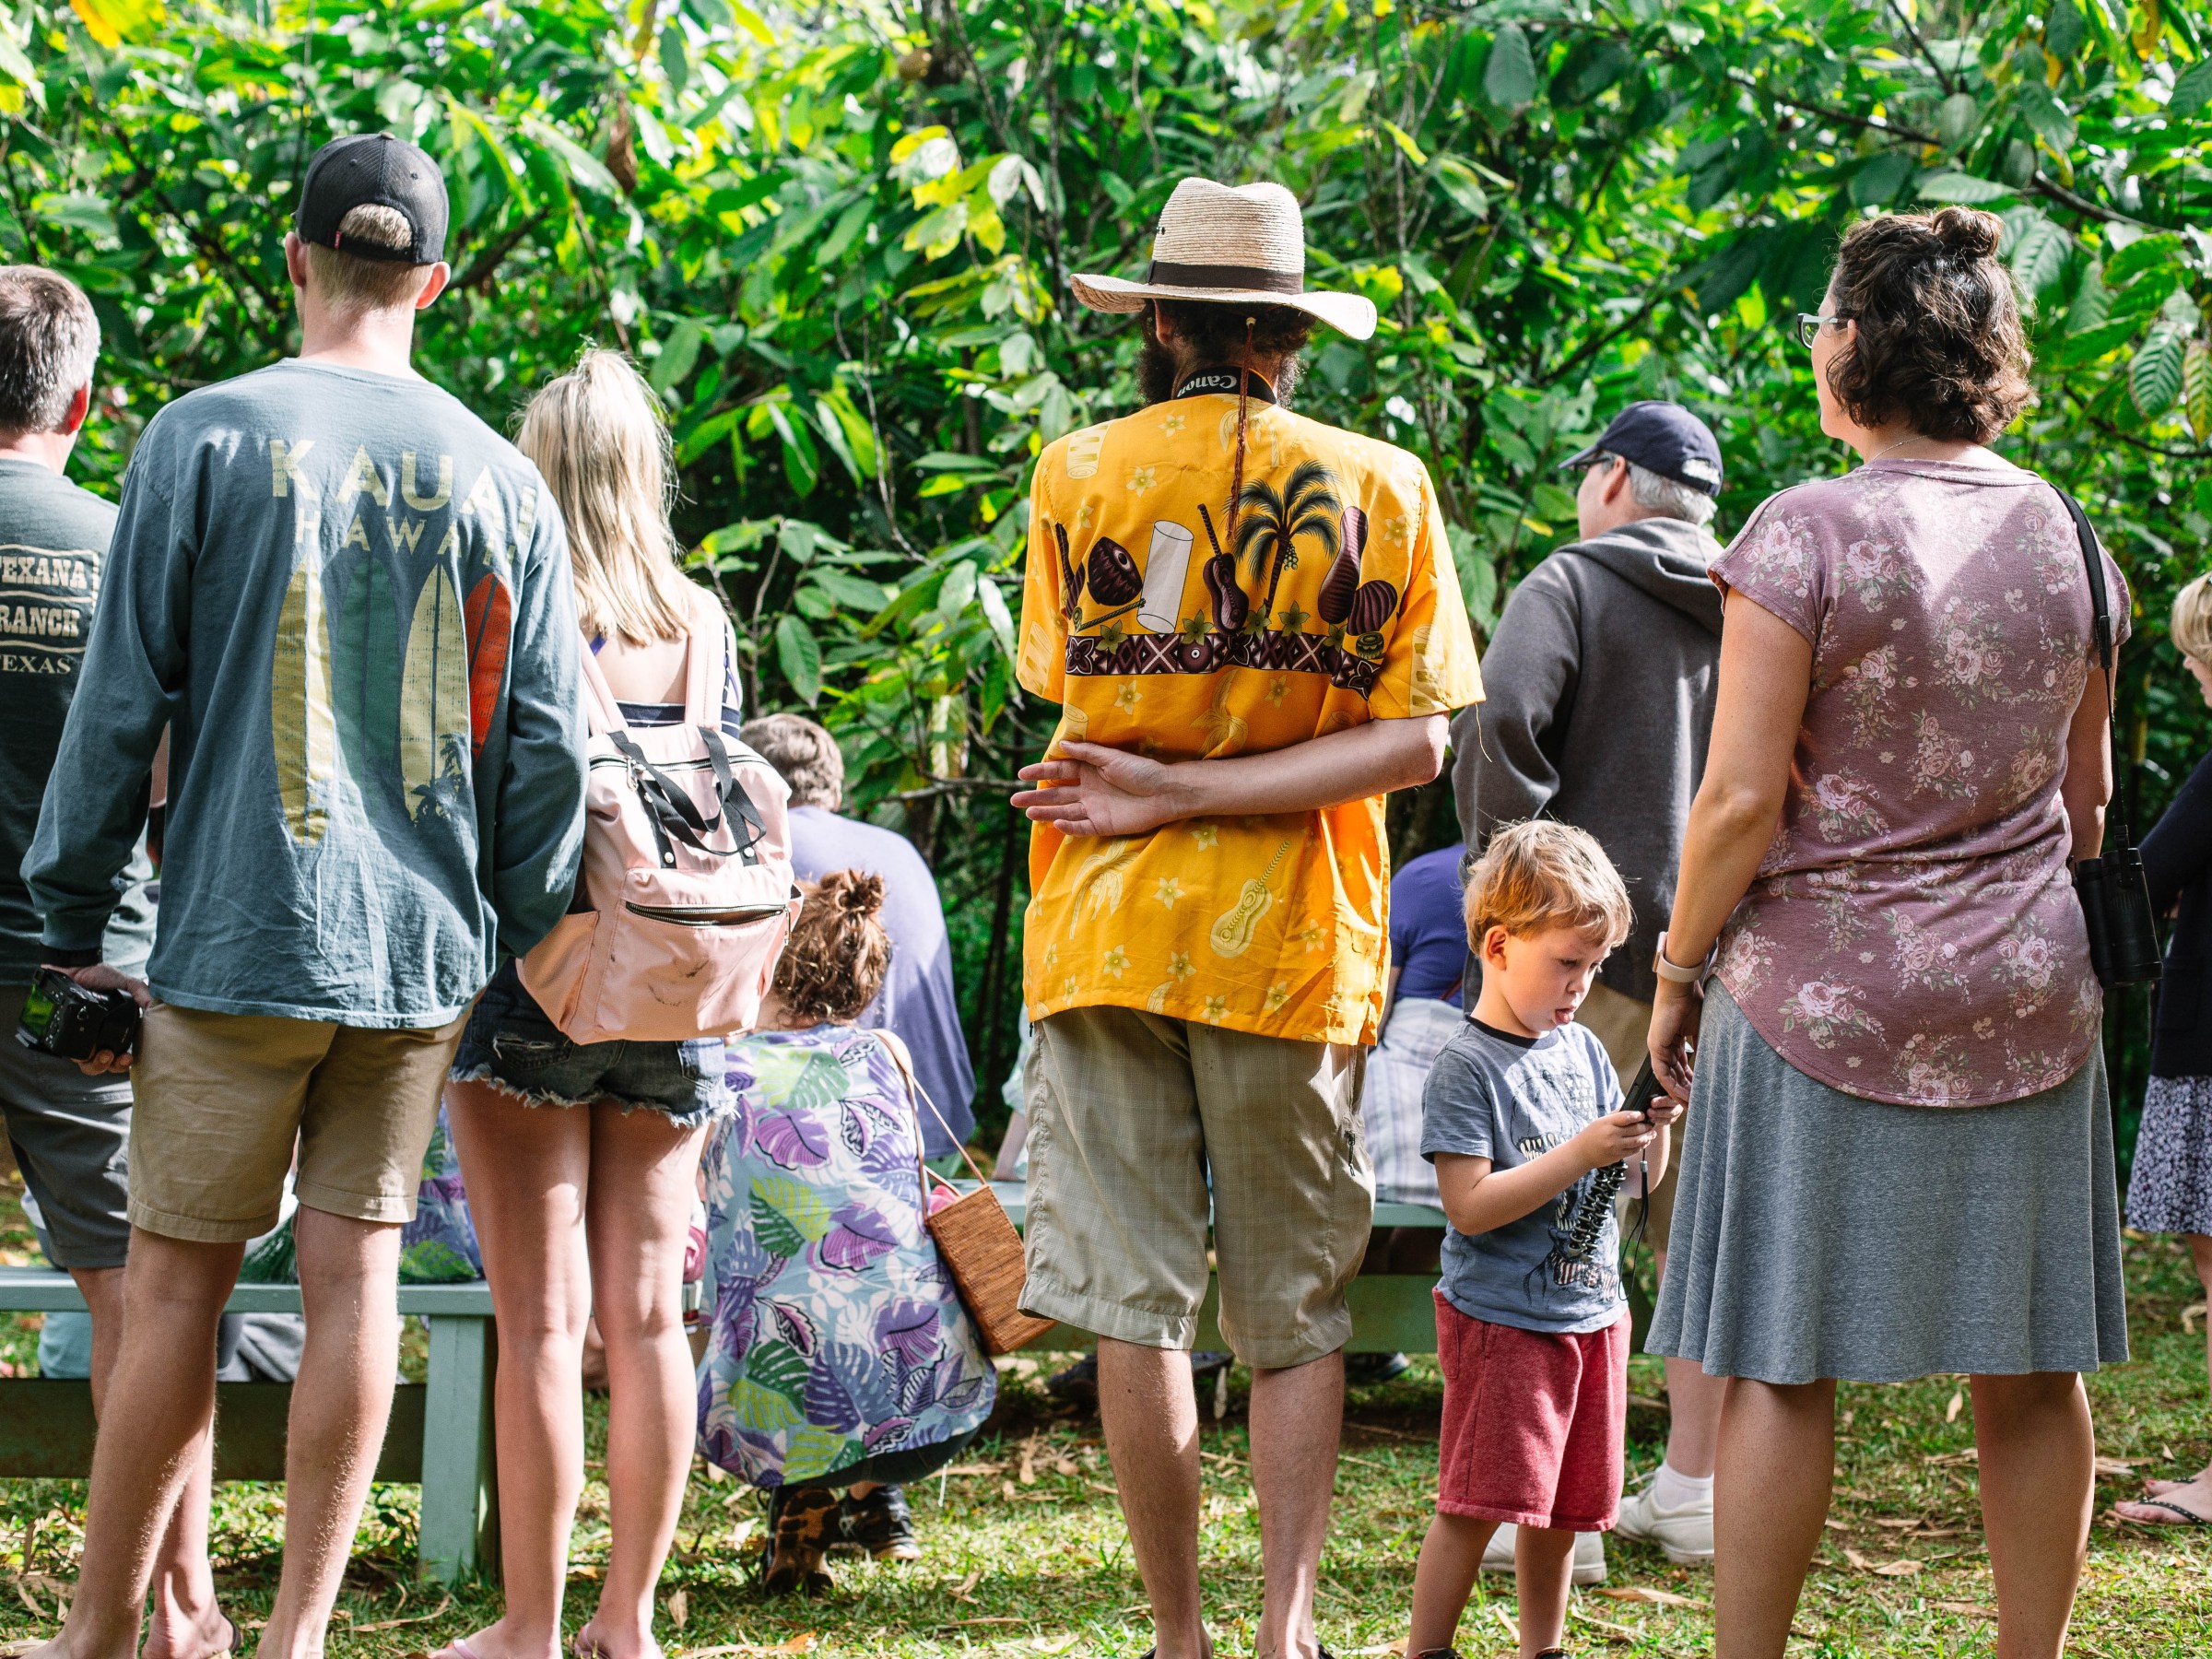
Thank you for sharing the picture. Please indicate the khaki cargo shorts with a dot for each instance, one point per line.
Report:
(1129, 1115)
(222, 1097)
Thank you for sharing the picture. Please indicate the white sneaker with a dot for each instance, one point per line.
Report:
(1589, 1554)
(1684, 1534)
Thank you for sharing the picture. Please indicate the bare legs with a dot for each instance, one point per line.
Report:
(1776, 1468)
(1452, 1556)
(1693, 1407)
(2039, 1458)
(174, 1294)
(1151, 1420)
(581, 1210)
(186, 1624)
(1772, 1484)
(2195, 1493)
(348, 1294)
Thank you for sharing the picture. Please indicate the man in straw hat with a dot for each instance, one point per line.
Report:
(1251, 623)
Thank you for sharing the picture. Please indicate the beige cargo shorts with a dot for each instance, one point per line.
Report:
(1130, 1115)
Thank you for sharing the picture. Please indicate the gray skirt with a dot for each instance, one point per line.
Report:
(1820, 1234)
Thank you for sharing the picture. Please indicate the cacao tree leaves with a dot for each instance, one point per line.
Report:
(1509, 79)
(2196, 388)
(2154, 378)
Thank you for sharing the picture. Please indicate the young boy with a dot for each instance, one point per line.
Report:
(1523, 1119)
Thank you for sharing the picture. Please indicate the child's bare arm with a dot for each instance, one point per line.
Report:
(1478, 1199)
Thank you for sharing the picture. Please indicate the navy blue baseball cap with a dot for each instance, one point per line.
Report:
(374, 169)
(1663, 437)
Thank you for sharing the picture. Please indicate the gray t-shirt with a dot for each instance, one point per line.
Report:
(348, 600)
(1512, 1100)
(54, 547)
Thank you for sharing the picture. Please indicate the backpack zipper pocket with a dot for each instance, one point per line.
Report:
(699, 915)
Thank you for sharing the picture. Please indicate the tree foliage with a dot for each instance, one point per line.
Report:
(838, 236)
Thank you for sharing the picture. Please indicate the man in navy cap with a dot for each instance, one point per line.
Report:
(349, 601)
(1601, 674)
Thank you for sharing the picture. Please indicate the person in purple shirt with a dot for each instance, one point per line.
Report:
(917, 999)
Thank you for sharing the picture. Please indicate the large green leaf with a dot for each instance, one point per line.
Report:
(1509, 80)
(799, 654)
(2197, 389)
(2154, 378)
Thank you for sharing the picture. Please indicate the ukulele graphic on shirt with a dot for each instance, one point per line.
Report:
(1231, 933)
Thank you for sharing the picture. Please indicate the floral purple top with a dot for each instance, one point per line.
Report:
(1912, 934)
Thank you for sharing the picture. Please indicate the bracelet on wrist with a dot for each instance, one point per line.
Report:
(1674, 972)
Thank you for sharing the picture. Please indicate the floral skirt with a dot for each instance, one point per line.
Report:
(2170, 1190)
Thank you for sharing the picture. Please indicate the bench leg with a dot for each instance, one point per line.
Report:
(460, 1528)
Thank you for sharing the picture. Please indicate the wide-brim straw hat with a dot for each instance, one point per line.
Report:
(1244, 245)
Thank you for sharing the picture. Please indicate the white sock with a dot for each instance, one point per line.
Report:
(1673, 1490)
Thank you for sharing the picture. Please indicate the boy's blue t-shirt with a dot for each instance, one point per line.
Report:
(1512, 1100)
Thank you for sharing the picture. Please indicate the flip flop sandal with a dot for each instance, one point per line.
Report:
(230, 1642)
(2187, 1517)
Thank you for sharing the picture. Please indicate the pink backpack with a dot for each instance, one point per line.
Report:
(687, 864)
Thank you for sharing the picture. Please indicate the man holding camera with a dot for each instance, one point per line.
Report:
(68, 1131)
(349, 602)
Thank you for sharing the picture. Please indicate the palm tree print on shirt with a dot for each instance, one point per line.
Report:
(1268, 525)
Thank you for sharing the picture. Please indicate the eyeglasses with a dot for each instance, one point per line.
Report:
(1809, 325)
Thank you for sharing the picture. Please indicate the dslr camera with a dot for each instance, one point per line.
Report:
(63, 1019)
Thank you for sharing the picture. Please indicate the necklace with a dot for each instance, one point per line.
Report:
(1908, 437)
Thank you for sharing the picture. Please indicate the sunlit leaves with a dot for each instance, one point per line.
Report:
(2197, 389)
(799, 654)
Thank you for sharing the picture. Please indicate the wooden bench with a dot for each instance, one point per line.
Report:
(441, 1432)
(440, 1435)
(1392, 1313)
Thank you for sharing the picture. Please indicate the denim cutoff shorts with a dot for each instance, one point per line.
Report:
(512, 1044)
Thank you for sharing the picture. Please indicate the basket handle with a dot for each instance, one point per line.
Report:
(919, 1097)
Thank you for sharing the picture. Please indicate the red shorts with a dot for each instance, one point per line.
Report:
(1533, 1422)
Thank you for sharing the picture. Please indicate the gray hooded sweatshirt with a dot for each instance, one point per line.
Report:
(1600, 678)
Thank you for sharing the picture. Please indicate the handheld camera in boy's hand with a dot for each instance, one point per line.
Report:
(1643, 1095)
(66, 1020)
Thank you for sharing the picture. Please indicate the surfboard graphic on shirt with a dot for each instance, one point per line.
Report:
(365, 659)
(302, 723)
(434, 700)
(489, 622)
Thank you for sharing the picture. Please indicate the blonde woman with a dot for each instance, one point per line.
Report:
(580, 1159)
(2170, 1190)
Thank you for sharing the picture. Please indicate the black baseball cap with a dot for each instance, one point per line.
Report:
(374, 169)
(1663, 437)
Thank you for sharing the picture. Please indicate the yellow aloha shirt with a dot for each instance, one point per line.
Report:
(1336, 605)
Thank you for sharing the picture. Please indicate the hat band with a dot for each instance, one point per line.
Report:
(1226, 276)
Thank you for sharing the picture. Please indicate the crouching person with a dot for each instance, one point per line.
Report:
(840, 1357)
(1524, 1118)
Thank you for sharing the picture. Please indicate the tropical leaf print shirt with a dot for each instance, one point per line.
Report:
(837, 1332)
(1160, 626)
(1912, 934)
(350, 601)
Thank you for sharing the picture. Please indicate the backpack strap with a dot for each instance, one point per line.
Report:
(600, 709)
(708, 665)
(2101, 640)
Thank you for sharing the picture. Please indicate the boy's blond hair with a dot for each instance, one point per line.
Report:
(350, 284)
(1541, 874)
(2189, 627)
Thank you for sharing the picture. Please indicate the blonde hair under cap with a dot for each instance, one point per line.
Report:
(598, 436)
(2189, 626)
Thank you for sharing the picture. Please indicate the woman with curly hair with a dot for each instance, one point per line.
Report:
(1899, 1157)
(840, 1356)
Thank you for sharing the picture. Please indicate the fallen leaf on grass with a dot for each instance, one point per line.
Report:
(1971, 1609)
(968, 1585)
(1951, 1412)
(801, 1644)
(1099, 1486)
(394, 1624)
(974, 1469)
(1619, 1631)
(679, 1608)
(1513, 1631)
(1882, 1569)
(1944, 1459)
(1647, 1403)
(1643, 1592)
(1389, 1650)
(2190, 1315)
(2114, 1469)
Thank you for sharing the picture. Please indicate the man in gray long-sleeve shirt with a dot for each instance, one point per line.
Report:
(1601, 674)
(349, 602)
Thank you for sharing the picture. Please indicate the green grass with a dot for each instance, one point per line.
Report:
(1026, 1553)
